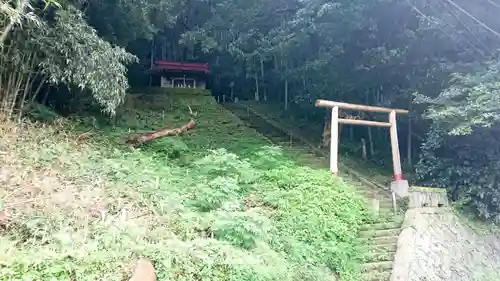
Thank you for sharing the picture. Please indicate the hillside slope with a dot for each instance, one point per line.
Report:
(311, 132)
(216, 203)
(378, 238)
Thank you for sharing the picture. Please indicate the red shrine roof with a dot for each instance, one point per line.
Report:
(184, 66)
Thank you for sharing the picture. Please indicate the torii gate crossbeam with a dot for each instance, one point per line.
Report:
(391, 124)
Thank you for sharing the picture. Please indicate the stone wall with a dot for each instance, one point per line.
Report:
(427, 197)
(435, 245)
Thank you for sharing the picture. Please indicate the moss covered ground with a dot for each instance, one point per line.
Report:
(216, 203)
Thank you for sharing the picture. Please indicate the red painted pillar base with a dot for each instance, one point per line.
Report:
(400, 187)
(398, 177)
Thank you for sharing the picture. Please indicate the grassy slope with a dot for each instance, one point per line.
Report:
(350, 154)
(217, 203)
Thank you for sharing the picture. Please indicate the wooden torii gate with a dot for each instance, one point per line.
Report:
(335, 121)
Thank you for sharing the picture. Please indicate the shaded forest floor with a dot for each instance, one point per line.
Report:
(216, 203)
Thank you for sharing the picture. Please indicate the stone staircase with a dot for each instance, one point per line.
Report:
(378, 237)
(378, 240)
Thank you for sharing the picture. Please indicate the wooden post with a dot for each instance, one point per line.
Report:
(334, 140)
(370, 140)
(396, 158)
(394, 203)
(363, 148)
(151, 62)
(376, 207)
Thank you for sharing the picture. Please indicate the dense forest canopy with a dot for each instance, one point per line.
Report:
(438, 58)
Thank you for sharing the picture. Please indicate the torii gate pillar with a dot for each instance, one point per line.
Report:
(399, 186)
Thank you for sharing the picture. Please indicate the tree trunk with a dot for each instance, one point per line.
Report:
(410, 133)
(370, 140)
(262, 78)
(257, 95)
(164, 49)
(370, 136)
(286, 94)
(164, 132)
(363, 148)
(286, 85)
(174, 52)
(6, 31)
(151, 63)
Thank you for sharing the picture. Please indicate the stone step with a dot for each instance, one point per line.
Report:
(378, 240)
(305, 153)
(283, 145)
(372, 192)
(379, 266)
(376, 276)
(376, 243)
(387, 247)
(381, 225)
(383, 203)
(279, 139)
(379, 256)
(387, 202)
(380, 232)
(297, 148)
(387, 217)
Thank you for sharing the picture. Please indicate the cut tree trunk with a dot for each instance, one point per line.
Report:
(164, 132)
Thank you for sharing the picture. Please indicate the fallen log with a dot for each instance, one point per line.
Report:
(164, 132)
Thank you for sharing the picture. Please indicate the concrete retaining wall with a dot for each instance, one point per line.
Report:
(435, 245)
(427, 197)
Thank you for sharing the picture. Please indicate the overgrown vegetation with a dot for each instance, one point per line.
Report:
(437, 59)
(217, 203)
(302, 122)
(461, 150)
(58, 47)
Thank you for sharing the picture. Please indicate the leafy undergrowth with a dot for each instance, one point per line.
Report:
(216, 203)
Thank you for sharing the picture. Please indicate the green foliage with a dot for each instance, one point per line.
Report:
(461, 150)
(376, 52)
(40, 112)
(242, 229)
(75, 55)
(168, 148)
(471, 101)
(302, 198)
(246, 212)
